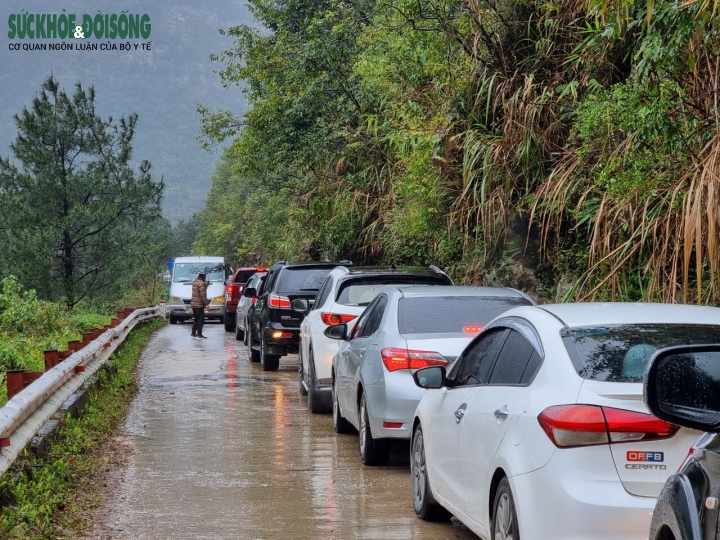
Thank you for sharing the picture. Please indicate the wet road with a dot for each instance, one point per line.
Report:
(220, 449)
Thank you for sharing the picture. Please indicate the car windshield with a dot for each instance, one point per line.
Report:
(187, 272)
(362, 291)
(302, 279)
(244, 275)
(451, 314)
(620, 353)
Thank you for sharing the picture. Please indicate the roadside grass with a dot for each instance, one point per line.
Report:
(53, 497)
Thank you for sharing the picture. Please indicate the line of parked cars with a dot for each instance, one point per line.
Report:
(525, 421)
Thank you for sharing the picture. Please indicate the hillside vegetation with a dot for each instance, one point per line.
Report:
(567, 147)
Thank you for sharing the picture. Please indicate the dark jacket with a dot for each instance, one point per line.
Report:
(199, 294)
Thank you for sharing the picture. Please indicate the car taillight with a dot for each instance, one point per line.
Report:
(276, 301)
(228, 289)
(586, 425)
(253, 300)
(333, 319)
(395, 359)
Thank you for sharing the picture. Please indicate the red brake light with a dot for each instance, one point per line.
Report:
(253, 300)
(276, 301)
(586, 425)
(228, 288)
(395, 359)
(333, 319)
(472, 329)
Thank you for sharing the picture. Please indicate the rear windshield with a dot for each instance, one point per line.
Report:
(450, 314)
(244, 276)
(620, 353)
(362, 291)
(302, 279)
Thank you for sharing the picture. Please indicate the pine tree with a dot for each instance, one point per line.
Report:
(72, 210)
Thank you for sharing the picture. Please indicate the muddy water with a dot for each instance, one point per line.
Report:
(221, 449)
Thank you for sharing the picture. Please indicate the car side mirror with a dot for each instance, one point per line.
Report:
(250, 292)
(301, 305)
(339, 331)
(682, 386)
(430, 377)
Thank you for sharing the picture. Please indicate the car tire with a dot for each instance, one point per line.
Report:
(173, 320)
(301, 386)
(340, 424)
(253, 354)
(269, 362)
(239, 334)
(372, 451)
(425, 505)
(317, 402)
(245, 333)
(504, 516)
(229, 320)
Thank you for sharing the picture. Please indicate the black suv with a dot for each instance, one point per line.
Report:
(682, 386)
(275, 329)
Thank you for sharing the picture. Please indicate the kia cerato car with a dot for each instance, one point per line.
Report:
(539, 429)
(343, 296)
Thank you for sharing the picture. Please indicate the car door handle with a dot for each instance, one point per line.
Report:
(460, 413)
(501, 414)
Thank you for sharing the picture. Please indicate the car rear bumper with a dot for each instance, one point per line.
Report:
(281, 340)
(393, 398)
(324, 350)
(582, 486)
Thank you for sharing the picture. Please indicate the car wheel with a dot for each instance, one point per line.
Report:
(245, 333)
(229, 320)
(425, 505)
(340, 425)
(253, 354)
(239, 334)
(301, 386)
(269, 362)
(317, 402)
(372, 451)
(505, 522)
(173, 320)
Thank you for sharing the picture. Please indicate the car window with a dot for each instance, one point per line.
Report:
(372, 323)
(451, 314)
(512, 360)
(323, 293)
(360, 290)
(478, 358)
(270, 281)
(244, 275)
(620, 353)
(360, 323)
(302, 279)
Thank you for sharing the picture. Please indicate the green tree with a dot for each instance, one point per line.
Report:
(72, 210)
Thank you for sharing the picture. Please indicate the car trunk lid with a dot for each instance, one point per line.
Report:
(644, 466)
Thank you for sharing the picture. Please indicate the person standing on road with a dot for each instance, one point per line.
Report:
(198, 303)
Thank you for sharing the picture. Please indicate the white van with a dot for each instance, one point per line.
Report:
(185, 270)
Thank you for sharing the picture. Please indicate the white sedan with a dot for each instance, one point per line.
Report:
(539, 430)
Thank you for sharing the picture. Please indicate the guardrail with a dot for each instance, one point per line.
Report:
(30, 408)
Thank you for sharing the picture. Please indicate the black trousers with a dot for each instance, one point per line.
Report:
(199, 320)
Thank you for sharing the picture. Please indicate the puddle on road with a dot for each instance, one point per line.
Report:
(229, 451)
